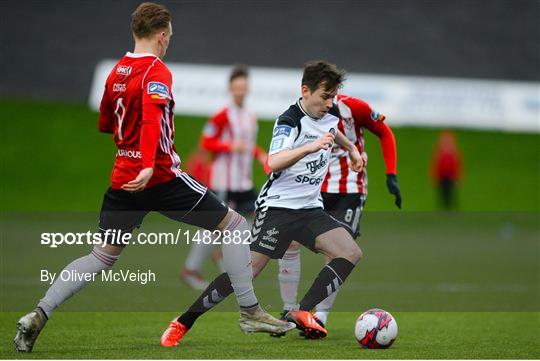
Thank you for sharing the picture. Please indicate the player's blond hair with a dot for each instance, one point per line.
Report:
(149, 18)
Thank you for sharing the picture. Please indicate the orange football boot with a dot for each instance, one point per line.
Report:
(173, 334)
(306, 322)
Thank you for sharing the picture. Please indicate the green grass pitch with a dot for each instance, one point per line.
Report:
(422, 335)
(459, 286)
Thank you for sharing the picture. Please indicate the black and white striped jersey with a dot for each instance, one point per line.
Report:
(299, 186)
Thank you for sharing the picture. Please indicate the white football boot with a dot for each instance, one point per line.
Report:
(28, 329)
(255, 319)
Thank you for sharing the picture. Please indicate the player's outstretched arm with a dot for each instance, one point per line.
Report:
(288, 157)
(388, 146)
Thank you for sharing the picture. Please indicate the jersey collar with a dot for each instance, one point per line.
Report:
(139, 55)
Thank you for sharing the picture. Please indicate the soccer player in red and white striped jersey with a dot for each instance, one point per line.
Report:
(230, 136)
(137, 107)
(344, 192)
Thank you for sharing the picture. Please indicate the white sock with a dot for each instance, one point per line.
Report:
(198, 254)
(289, 277)
(217, 257)
(61, 290)
(237, 262)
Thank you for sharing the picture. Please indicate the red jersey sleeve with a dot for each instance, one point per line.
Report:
(106, 119)
(211, 138)
(156, 93)
(368, 118)
(157, 84)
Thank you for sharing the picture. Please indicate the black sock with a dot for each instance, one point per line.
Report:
(216, 292)
(327, 282)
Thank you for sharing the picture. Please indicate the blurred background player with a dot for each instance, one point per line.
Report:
(137, 108)
(446, 168)
(230, 137)
(344, 192)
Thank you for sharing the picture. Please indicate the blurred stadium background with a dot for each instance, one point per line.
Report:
(55, 165)
(48, 68)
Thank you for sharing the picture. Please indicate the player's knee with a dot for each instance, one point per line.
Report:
(348, 250)
(355, 253)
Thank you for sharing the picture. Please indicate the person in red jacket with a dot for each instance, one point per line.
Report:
(230, 137)
(446, 168)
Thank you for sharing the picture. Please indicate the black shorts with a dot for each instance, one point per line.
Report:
(274, 228)
(346, 208)
(242, 202)
(182, 199)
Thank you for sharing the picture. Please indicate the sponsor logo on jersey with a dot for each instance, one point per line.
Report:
(282, 130)
(376, 116)
(310, 137)
(158, 90)
(276, 144)
(348, 123)
(123, 70)
(117, 87)
(304, 179)
(129, 153)
(317, 164)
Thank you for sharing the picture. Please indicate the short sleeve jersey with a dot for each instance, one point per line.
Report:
(299, 186)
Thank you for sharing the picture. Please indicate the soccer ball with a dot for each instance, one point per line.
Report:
(375, 328)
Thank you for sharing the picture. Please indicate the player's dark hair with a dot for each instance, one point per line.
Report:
(239, 71)
(318, 72)
(149, 18)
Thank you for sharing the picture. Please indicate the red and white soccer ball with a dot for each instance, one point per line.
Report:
(376, 328)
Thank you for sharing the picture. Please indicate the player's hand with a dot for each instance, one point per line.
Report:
(324, 142)
(239, 146)
(357, 161)
(392, 185)
(139, 183)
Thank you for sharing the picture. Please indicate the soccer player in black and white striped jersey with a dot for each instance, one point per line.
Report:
(289, 206)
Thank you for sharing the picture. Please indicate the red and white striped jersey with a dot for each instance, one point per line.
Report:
(355, 116)
(139, 79)
(231, 170)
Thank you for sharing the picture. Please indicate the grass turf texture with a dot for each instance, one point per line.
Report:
(460, 286)
(429, 335)
(53, 158)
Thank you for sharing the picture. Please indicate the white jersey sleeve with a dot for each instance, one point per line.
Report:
(283, 136)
